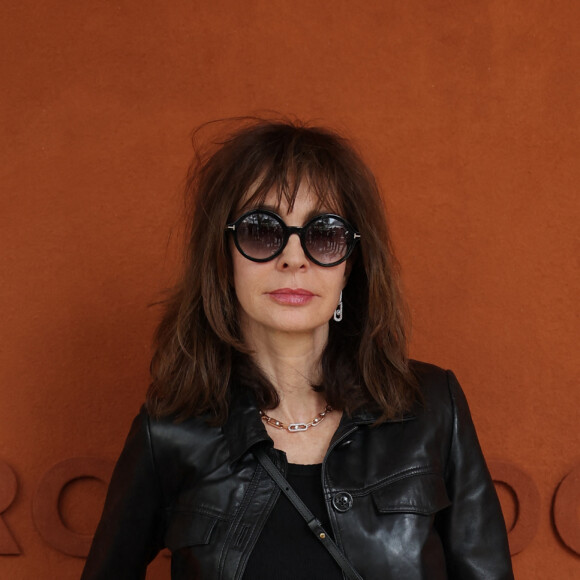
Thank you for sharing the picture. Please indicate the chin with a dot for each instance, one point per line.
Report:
(299, 326)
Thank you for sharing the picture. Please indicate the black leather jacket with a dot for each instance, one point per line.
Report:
(409, 499)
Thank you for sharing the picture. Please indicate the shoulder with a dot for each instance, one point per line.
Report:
(175, 442)
(432, 380)
(439, 388)
(427, 374)
(174, 433)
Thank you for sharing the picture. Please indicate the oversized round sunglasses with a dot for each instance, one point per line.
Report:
(261, 235)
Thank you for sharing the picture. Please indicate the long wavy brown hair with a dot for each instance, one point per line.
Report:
(200, 359)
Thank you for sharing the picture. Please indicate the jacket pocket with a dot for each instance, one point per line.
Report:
(188, 528)
(423, 493)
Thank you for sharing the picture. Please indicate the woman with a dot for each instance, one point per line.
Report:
(285, 341)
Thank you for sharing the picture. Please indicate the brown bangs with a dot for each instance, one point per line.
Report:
(284, 160)
(287, 191)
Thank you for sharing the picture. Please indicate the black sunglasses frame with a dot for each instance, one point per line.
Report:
(287, 231)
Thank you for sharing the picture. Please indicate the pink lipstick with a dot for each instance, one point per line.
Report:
(291, 296)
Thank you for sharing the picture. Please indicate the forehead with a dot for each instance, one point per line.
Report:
(301, 198)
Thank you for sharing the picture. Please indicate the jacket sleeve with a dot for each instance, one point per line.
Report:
(472, 528)
(129, 534)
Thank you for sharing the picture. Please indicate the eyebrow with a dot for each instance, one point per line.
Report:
(311, 214)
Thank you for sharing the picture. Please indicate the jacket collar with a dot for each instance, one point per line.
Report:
(244, 427)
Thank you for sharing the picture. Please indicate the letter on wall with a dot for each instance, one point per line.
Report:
(8, 489)
(566, 510)
(45, 505)
(528, 503)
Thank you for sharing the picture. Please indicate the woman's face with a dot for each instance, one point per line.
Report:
(289, 294)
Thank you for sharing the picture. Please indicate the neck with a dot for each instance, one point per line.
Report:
(291, 361)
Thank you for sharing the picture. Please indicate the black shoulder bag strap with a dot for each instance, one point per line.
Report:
(313, 523)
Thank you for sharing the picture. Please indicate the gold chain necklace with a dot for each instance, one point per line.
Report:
(296, 427)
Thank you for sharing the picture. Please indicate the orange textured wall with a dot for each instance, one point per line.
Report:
(469, 113)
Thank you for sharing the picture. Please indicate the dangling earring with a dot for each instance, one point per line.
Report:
(338, 311)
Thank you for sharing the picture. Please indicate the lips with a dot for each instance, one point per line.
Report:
(298, 291)
(292, 296)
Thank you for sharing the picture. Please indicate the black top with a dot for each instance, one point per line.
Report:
(286, 548)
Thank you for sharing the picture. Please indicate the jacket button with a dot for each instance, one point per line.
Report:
(342, 501)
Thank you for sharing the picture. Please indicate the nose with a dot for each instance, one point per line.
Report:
(293, 256)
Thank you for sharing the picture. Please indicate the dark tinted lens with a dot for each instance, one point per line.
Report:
(327, 239)
(259, 235)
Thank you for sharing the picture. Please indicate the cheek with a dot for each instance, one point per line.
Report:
(245, 277)
(342, 275)
(239, 282)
